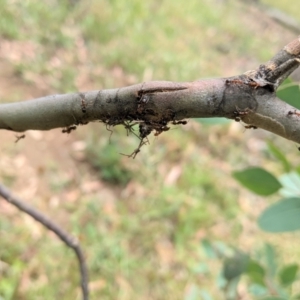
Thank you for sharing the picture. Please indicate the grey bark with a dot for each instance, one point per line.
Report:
(249, 97)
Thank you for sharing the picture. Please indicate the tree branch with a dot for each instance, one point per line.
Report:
(249, 97)
(64, 236)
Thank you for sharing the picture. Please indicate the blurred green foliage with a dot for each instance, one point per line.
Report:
(281, 216)
(264, 273)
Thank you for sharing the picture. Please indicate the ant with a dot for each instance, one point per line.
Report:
(69, 129)
(238, 113)
(184, 122)
(145, 130)
(294, 113)
(19, 137)
(159, 130)
(250, 127)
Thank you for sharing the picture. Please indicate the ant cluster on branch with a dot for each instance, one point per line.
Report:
(145, 129)
(238, 114)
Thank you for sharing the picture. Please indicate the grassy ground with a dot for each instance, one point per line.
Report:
(140, 221)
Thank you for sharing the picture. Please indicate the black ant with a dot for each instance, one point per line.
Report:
(250, 127)
(145, 130)
(19, 137)
(69, 129)
(184, 122)
(238, 113)
(294, 113)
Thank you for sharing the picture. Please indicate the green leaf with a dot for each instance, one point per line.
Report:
(290, 93)
(235, 266)
(288, 274)
(282, 216)
(291, 184)
(271, 260)
(256, 273)
(280, 156)
(258, 290)
(258, 181)
(223, 250)
(208, 249)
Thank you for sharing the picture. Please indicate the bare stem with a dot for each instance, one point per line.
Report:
(49, 224)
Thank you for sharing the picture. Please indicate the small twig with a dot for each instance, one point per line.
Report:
(63, 235)
(143, 141)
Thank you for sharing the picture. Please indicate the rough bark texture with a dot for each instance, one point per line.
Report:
(249, 97)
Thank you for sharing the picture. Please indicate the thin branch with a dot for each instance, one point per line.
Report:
(49, 224)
